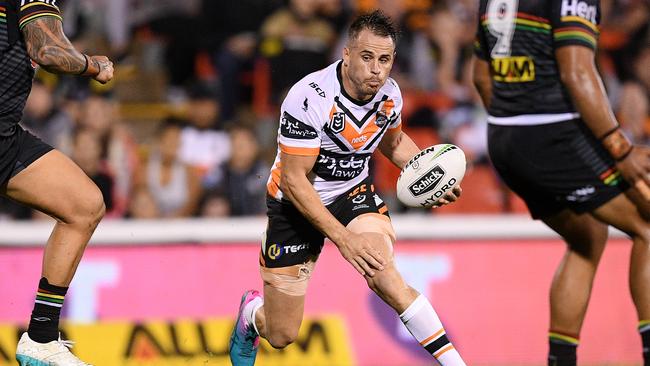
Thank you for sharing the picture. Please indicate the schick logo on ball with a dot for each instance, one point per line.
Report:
(428, 182)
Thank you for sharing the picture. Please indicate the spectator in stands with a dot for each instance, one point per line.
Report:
(451, 43)
(142, 205)
(243, 178)
(174, 186)
(87, 153)
(46, 120)
(297, 41)
(215, 204)
(99, 112)
(634, 102)
(230, 33)
(202, 144)
(175, 23)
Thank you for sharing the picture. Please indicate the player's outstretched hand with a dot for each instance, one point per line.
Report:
(358, 250)
(635, 168)
(449, 197)
(105, 67)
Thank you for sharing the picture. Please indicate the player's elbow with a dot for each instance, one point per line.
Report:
(45, 57)
(573, 75)
(288, 182)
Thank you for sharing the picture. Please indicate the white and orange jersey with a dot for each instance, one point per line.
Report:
(318, 118)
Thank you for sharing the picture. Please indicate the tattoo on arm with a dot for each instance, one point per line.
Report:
(50, 48)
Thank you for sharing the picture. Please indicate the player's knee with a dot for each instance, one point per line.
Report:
(642, 233)
(383, 282)
(94, 209)
(383, 243)
(282, 339)
(589, 242)
(88, 210)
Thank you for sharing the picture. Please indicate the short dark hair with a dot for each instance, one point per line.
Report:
(377, 22)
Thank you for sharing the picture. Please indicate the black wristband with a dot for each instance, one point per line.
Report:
(86, 66)
(622, 157)
(609, 133)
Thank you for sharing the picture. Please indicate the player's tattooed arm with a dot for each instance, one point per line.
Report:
(49, 47)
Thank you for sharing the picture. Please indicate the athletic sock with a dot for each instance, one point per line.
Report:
(423, 323)
(44, 324)
(644, 330)
(562, 349)
(250, 309)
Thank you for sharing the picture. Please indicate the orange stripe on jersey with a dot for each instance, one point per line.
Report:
(304, 151)
(388, 107)
(273, 187)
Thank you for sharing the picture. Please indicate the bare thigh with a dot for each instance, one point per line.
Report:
(55, 185)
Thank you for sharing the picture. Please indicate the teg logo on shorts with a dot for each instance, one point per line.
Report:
(428, 181)
(275, 251)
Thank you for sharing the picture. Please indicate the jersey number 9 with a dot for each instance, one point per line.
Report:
(501, 15)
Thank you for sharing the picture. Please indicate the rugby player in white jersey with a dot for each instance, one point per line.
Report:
(331, 122)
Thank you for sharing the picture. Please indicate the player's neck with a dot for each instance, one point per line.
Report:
(350, 91)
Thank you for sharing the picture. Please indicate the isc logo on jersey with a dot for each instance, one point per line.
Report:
(579, 8)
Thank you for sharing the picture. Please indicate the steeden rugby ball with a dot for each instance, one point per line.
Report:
(430, 174)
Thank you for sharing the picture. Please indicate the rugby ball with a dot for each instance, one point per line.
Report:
(430, 174)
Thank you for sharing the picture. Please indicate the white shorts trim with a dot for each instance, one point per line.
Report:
(532, 119)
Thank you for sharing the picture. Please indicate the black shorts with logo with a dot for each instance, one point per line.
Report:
(291, 239)
(18, 151)
(555, 166)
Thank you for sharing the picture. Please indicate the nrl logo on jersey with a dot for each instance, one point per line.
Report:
(337, 124)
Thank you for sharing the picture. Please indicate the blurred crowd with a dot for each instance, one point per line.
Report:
(188, 126)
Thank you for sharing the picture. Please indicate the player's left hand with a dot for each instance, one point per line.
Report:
(449, 197)
(105, 68)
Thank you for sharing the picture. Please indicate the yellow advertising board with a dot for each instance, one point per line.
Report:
(321, 342)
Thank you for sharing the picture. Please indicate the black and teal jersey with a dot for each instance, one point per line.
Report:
(16, 68)
(519, 39)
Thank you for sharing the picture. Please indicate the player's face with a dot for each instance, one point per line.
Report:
(367, 62)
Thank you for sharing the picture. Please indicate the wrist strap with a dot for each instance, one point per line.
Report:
(617, 144)
(85, 66)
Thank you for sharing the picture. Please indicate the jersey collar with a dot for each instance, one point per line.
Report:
(345, 94)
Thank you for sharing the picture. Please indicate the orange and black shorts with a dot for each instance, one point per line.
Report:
(291, 239)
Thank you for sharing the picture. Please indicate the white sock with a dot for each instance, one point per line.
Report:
(250, 309)
(425, 326)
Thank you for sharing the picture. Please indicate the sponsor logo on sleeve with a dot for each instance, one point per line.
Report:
(292, 128)
(51, 2)
(579, 8)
